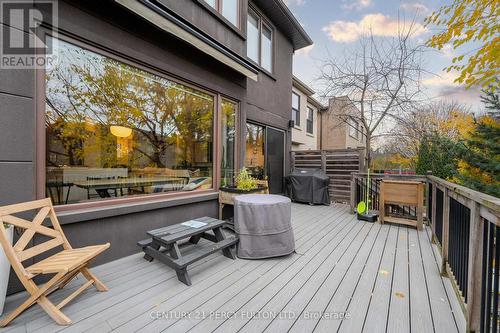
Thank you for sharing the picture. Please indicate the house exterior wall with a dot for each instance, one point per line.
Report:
(334, 131)
(301, 140)
(110, 27)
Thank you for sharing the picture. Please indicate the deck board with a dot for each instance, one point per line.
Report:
(385, 277)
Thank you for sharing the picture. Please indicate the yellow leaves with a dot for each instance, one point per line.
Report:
(467, 21)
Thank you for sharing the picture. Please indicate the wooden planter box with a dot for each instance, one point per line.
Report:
(227, 195)
(408, 193)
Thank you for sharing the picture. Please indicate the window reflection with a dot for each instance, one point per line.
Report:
(253, 36)
(266, 48)
(229, 110)
(254, 153)
(115, 130)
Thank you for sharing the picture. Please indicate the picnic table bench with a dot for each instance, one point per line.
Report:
(164, 244)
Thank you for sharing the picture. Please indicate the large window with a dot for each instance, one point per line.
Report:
(310, 120)
(114, 130)
(228, 8)
(229, 111)
(259, 41)
(296, 109)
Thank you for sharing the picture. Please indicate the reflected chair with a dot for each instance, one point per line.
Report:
(62, 267)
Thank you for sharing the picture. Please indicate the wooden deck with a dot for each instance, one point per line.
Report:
(346, 276)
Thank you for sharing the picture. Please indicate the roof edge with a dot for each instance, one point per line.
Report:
(307, 39)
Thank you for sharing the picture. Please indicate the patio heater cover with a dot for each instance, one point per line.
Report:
(308, 186)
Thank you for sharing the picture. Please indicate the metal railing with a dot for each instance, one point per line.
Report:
(465, 224)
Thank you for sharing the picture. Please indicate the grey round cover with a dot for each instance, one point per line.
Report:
(308, 186)
(263, 224)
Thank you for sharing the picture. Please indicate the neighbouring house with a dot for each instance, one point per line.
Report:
(339, 125)
(145, 109)
(305, 110)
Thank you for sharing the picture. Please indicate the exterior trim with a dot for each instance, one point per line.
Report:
(215, 12)
(152, 12)
(94, 213)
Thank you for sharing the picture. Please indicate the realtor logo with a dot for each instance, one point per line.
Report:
(22, 37)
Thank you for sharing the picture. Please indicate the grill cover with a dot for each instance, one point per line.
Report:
(308, 186)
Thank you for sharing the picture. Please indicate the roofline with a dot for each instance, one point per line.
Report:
(307, 39)
(302, 86)
(317, 103)
(159, 15)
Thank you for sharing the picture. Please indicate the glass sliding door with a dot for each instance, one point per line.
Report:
(255, 150)
(265, 155)
(275, 159)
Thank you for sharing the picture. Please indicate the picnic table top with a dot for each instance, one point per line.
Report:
(179, 231)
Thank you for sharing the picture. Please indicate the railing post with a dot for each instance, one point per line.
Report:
(473, 300)
(433, 224)
(323, 161)
(446, 229)
(353, 193)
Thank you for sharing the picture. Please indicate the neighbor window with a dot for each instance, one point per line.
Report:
(228, 8)
(296, 109)
(310, 115)
(115, 130)
(353, 128)
(259, 41)
(228, 127)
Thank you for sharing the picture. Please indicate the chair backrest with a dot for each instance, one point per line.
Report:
(263, 182)
(19, 252)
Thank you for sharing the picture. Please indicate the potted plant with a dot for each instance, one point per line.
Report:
(5, 267)
(244, 184)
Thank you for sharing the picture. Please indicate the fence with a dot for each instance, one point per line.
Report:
(338, 164)
(465, 224)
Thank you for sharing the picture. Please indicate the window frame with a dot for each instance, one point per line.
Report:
(41, 138)
(237, 138)
(310, 112)
(353, 124)
(297, 111)
(218, 11)
(263, 21)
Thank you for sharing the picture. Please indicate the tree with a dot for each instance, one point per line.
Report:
(448, 119)
(491, 100)
(437, 154)
(473, 22)
(380, 77)
(479, 167)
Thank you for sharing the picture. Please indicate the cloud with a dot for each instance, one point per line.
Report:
(448, 51)
(378, 24)
(445, 79)
(443, 87)
(356, 4)
(304, 51)
(294, 2)
(415, 7)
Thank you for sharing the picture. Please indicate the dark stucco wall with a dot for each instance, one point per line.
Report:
(108, 26)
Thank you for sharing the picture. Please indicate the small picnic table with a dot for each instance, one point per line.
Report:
(164, 244)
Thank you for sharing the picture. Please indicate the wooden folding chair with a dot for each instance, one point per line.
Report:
(64, 265)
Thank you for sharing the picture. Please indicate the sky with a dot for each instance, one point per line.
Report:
(336, 25)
